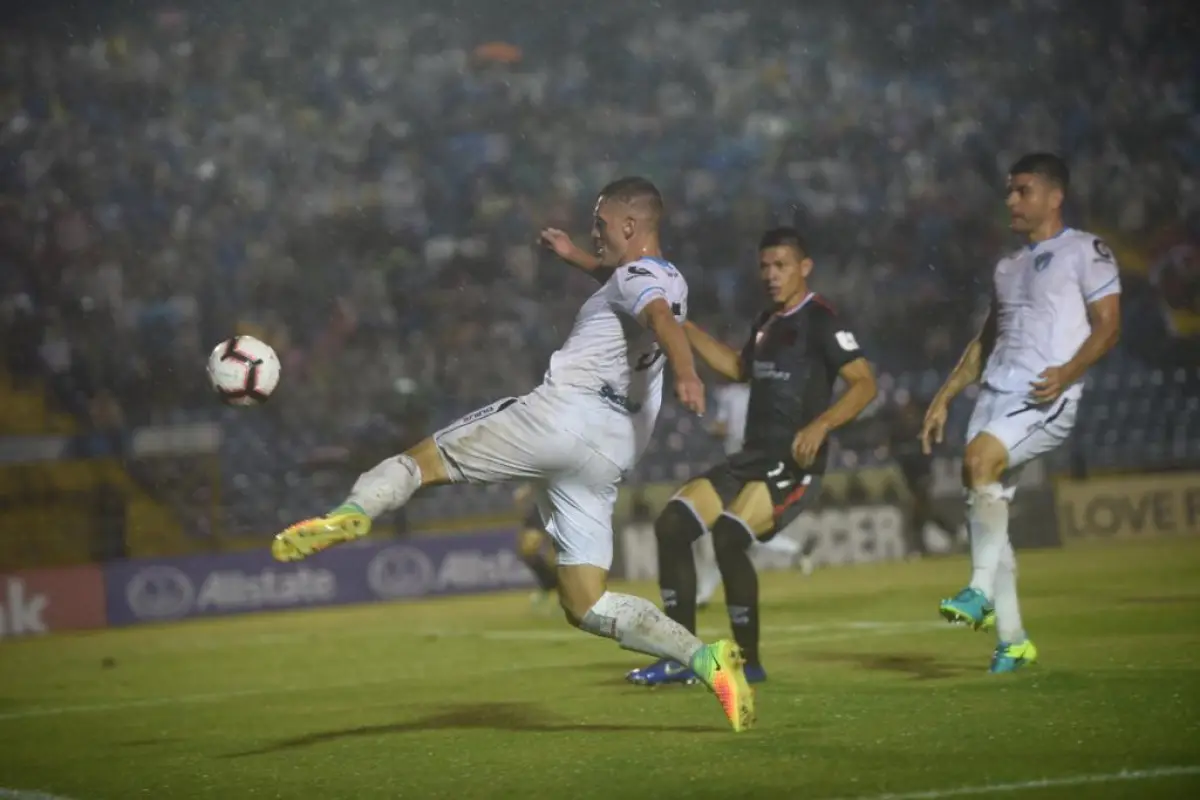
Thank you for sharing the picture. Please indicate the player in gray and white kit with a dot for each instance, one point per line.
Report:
(1055, 312)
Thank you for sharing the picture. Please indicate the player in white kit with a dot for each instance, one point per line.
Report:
(732, 402)
(1055, 312)
(574, 437)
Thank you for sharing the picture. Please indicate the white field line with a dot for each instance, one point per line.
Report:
(836, 632)
(1123, 776)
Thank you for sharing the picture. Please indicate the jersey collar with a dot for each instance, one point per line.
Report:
(1033, 245)
(798, 306)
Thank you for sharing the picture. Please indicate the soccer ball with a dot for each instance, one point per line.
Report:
(243, 371)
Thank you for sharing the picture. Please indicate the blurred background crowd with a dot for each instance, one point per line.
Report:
(361, 184)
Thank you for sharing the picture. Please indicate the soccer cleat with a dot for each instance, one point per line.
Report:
(969, 607)
(661, 673)
(1011, 657)
(720, 666)
(314, 535)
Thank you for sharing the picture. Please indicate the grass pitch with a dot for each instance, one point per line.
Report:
(870, 697)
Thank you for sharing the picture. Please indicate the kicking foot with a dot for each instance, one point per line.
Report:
(314, 535)
(721, 667)
(969, 607)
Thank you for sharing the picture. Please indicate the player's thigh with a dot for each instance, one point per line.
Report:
(702, 499)
(1007, 431)
(766, 507)
(510, 439)
(580, 513)
(709, 495)
(530, 541)
(753, 508)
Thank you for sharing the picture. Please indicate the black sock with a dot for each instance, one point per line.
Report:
(546, 574)
(676, 529)
(731, 543)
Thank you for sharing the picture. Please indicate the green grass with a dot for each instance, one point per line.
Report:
(477, 697)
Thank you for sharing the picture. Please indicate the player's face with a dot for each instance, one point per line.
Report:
(784, 272)
(1031, 200)
(611, 232)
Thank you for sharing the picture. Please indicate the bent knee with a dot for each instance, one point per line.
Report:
(579, 589)
(677, 523)
(984, 461)
(731, 534)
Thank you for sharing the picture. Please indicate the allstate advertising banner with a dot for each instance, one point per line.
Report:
(155, 590)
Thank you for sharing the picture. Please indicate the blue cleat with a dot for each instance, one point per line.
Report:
(1011, 657)
(661, 673)
(969, 607)
(755, 673)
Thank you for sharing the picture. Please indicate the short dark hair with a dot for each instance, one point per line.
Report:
(784, 237)
(634, 190)
(1046, 165)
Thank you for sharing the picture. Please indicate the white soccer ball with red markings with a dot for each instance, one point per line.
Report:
(243, 371)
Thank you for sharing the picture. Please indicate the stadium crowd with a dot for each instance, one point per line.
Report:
(362, 186)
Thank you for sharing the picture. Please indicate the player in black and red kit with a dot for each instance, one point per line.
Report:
(796, 351)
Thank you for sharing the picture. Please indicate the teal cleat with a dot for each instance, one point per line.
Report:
(1011, 657)
(969, 607)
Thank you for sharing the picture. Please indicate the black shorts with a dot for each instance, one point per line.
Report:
(793, 490)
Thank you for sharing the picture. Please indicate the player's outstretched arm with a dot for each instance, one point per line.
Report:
(724, 360)
(561, 244)
(860, 391)
(658, 317)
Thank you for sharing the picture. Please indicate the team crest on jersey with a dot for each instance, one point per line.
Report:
(1041, 261)
(1103, 251)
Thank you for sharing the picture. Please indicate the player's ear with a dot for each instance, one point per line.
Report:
(1057, 197)
(806, 267)
(630, 227)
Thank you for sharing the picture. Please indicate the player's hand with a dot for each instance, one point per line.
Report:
(690, 391)
(808, 442)
(558, 242)
(1053, 382)
(933, 430)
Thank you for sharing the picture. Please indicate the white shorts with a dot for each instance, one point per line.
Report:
(1026, 430)
(525, 439)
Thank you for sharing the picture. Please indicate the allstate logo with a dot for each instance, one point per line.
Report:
(400, 571)
(160, 593)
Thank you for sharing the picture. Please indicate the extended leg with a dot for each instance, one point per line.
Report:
(385, 487)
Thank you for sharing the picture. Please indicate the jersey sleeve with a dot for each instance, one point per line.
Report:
(1099, 275)
(747, 355)
(637, 285)
(837, 343)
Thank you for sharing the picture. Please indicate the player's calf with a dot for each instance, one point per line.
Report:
(731, 543)
(676, 531)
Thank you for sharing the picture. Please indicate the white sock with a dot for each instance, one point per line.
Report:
(708, 574)
(387, 486)
(988, 519)
(639, 625)
(1008, 610)
(782, 544)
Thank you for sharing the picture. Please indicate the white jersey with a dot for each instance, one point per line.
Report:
(611, 367)
(733, 402)
(1041, 295)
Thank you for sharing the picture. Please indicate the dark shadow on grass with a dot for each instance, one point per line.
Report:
(920, 666)
(517, 717)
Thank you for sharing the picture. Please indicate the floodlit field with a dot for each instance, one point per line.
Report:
(478, 697)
